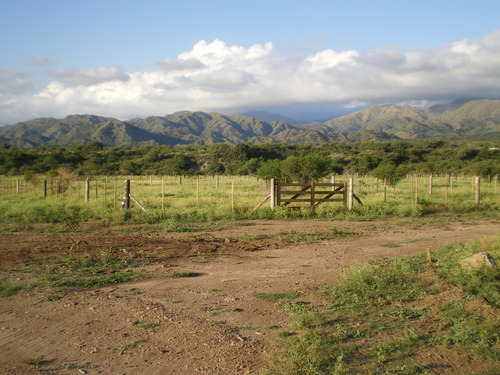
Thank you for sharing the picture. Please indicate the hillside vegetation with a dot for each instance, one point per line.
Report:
(390, 160)
(475, 119)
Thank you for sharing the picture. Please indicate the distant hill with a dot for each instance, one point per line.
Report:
(268, 116)
(467, 119)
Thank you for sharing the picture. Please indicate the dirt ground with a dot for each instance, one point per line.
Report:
(209, 324)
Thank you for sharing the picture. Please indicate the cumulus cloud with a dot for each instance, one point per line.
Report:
(216, 76)
(14, 82)
(181, 64)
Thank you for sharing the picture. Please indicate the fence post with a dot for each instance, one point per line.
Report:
(197, 190)
(45, 188)
(312, 196)
(446, 192)
(385, 189)
(344, 195)
(273, 194)
(114, 193)
(416, 190)
(232, 196)
(162, 194)
(350, 194)
(126, 198)
(430, 184)
(478, 185)
(105, 180)
(87, 190)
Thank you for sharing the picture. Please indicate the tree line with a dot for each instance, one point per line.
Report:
(304, 162)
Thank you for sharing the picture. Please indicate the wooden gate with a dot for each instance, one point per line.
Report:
(312, 193)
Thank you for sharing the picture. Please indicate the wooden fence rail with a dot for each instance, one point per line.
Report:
(312, 193)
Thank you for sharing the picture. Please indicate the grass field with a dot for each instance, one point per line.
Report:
(179, 199)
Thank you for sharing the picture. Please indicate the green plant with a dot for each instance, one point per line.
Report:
(391, 245)
(185, 274)
(272, 327)
(274, 297)
(145, 325)
(71, 366)
(131, 344)
(7, 289)
(36, 361)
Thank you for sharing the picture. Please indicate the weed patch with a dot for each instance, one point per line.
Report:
(145, 325)
(72, 271)
(375, 321)
(36, 361)
(185, 274)
(7, 289)
(294, 237)
(275, 297)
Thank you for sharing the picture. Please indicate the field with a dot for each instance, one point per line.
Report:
(177, 199)
(202, 282)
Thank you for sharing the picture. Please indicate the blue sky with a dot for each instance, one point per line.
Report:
(137, 58)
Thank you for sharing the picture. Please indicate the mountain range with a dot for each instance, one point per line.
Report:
(465, 119)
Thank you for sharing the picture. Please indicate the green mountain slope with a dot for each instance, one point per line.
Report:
(473, 119)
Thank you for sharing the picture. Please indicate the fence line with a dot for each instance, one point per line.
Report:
(162, 192)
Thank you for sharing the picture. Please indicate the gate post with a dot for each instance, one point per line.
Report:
(350, 194)
(273, 194)
(312, 196)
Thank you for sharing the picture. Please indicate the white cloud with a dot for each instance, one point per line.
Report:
(14, 82)
(181, 64)
(216, 76)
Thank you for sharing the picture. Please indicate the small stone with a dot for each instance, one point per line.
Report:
(479, 260)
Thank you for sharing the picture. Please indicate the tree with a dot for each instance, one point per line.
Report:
(390, 172)
(182, 164)
(310, 167)
(271, 169)
(364, 164)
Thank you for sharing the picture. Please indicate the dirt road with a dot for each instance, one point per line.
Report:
(208, 324)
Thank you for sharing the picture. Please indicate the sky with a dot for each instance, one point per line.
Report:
(309, 60)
